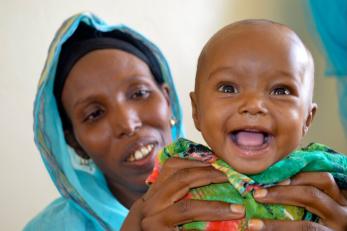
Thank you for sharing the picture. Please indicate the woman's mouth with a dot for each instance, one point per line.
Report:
(141, 153)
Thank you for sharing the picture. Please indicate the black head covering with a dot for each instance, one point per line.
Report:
(87, 39)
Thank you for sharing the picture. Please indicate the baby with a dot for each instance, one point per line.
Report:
(253, 94)
(253, 104)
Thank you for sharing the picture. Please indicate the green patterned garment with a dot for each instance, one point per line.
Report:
(239, 190)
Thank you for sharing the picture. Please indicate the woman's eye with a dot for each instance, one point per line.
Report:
(141, 93)
(94, 115)
(229, 89)
(280, 91)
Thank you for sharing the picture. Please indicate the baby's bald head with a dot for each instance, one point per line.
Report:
(255, 31)
(253, 94)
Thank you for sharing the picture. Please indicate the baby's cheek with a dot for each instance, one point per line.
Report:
(291, 132)
(293, 119)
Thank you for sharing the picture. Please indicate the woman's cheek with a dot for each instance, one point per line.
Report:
(158, 111)
(95, 139)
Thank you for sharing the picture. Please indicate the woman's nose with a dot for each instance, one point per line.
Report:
(253, 104)
(125, 122)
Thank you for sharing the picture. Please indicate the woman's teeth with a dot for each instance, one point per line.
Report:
(141, 153)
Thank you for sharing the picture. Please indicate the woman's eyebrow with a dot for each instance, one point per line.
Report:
(83, 100)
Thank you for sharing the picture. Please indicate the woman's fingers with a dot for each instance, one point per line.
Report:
(187, 210)
(344, 193)
(316, 192)
(133, 221)
(163, 207)
(271, 225)
(174, 164)
(323, 181)
(308, 197)
(170, 167)
(312, 190)
(178, 185)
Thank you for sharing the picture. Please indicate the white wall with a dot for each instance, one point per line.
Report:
(179, 28)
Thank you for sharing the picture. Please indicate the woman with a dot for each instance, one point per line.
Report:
(105, 105)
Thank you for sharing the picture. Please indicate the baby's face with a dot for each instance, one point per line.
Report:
(253, 97)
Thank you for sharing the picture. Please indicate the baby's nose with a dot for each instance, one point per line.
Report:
(253, 105)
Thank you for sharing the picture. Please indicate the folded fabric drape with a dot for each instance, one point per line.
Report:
(239, 190)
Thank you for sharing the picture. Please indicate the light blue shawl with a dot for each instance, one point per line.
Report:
(330, 18)
(86, 202)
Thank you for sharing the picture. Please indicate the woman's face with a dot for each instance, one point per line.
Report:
(120, 116)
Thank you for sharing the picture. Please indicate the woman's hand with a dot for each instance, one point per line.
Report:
(317, 192)
(161, 208)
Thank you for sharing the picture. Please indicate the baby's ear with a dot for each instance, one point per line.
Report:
(310, 116)
(194, 110)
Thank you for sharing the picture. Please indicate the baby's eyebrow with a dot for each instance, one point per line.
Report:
(288, 75)
(283, 73)
(222, 69)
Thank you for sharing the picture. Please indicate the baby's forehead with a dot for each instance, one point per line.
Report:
(255, 37)
(254, 33)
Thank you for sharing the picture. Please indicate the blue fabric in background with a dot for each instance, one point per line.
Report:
(342, 94)
(330, 18)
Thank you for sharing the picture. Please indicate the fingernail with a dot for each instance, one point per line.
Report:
(255, 224)
(260, 193)
(285, 182)
(240, 209)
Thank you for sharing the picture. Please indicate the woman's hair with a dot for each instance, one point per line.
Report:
(87, 39)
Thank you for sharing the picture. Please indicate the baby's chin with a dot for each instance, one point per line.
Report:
(251, 168)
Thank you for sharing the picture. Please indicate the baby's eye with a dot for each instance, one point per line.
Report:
(94, 115)
(140, 93)
(280, 91)
(229, 89)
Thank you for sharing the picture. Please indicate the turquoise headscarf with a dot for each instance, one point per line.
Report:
(330, 18)
(86, 202)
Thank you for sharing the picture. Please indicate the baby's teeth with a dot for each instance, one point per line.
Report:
(138, 155)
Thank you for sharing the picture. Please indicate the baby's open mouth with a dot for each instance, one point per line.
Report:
(250, 140)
